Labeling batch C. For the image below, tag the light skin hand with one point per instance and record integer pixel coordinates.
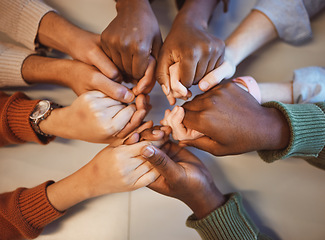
(92, 117)
(174, 119)
(131, 37)
(233, 122)
(78, 76)
(114, 169)
(183, 176)
(58, 33)
(197, 56)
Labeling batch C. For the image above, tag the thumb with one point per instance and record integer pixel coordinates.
(160, 160)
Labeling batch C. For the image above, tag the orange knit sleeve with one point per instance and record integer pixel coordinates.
(25, 212)
(15, 126)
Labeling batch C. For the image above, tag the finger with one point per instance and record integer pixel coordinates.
(205, 144)
(146, 83)
(162, 72)
(225, 70)
(201, 69)
(134, 138)
(120, 120)
(176, 86)
(103, 62)
(134, 150)
(126, 59)
(157, 43)
(134, 122)
(117, 59)
(187, 71)
(110, 112)
(159, 160)
(112, 89)
(147, 178)
(140, 62)
(164, 120)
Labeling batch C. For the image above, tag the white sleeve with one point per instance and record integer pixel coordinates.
(11, 60)
(20, 19)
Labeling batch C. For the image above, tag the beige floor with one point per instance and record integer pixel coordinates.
(285, 199)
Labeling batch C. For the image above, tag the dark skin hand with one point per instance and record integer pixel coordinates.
(132, 37)
(189, 43)
(183, 176)
(233, 122)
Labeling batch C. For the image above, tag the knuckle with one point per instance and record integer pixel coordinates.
(160, 160)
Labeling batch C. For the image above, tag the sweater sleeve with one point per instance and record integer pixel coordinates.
(15, 126)
(11, 61)
(229, 221)
(307, 135)
(25, 212)
(291, 17)
(20, 19)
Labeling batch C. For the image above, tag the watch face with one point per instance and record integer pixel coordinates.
(41, 108)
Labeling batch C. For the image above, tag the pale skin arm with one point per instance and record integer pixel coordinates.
(112, 170)
(94, 117)
(255, 31)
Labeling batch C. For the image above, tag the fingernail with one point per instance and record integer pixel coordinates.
(204, 85)
(128, 96)
(156, 132)
(149, 151)
(165, 89)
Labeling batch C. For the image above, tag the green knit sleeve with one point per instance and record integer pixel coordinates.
(229, 221)
(307, 133)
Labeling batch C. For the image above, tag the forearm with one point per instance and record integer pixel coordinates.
(37, 69)
(254, 32)
(70, 190)
(196, 12)
(58, 33)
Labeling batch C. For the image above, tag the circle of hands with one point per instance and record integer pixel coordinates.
(106, 111)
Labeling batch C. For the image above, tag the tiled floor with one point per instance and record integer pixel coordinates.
(285, 199)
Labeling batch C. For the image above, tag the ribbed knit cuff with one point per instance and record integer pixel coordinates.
(229, 221)
(36, 210)
(18, 110)
(11, 61)
(307, 124)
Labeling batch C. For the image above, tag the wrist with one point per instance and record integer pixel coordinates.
(56, 32)
(196, 12)
(276, 135)
(207, 203)
(54, 124)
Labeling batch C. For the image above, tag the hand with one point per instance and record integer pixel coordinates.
(114, 169)
(183, 176)
(58, 33)
(233, 122)
(174, 119)
(78, 76)
(94, 117)
(226, 70)
(131, 37)
(196, 50)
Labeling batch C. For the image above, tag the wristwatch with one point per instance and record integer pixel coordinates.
(41, 111)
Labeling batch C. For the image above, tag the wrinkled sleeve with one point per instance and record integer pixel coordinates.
(309, 85)
(307, 133)
(229, 221)
(15, 127)
(291, 17)
(20, 19)
(25, 212)
(11, 61)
